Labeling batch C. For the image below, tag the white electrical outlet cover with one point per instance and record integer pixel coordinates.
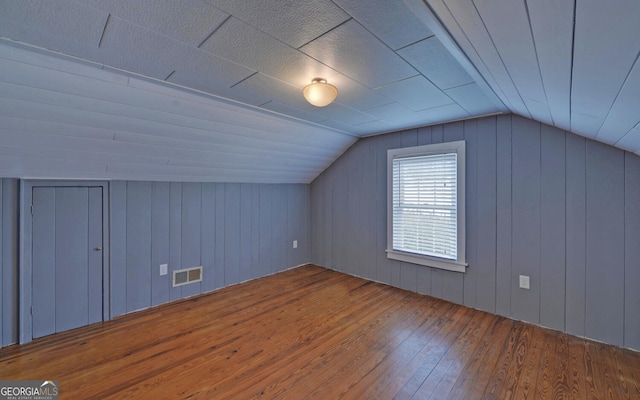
(163, 269)
(524, 282)
(295, 244)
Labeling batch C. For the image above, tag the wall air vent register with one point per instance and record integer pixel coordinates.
(186, 276)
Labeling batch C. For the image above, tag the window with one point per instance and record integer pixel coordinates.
(425, 205)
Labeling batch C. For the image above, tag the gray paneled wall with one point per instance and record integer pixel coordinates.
(8, 261)
(235, 231)
(540, 202)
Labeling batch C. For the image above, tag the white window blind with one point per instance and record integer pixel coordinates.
(424, 205)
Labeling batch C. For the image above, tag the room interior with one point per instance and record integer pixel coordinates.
(190, 117)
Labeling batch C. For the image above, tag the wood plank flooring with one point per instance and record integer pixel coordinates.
(312, 333)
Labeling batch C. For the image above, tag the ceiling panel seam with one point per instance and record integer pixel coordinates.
(104, 29)
(324, 33)
(636, 127)
(450, 43)
(213, 31)
(535, 50)
(501, 60)
(416, 42)
(573, 49)
(244, 79)
(624, 82)
(169, 76)
(503, 97)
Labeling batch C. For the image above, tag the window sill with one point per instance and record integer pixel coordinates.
(440, 263)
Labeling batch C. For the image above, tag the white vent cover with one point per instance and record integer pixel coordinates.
(186, 276)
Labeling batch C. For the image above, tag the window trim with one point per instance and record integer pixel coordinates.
(460, 264)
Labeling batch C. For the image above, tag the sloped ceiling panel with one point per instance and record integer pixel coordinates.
(571, 64)
(60, 118)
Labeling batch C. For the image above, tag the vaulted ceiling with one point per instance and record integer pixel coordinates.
(211, 90)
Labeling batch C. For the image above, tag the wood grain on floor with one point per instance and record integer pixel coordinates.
(312, 333)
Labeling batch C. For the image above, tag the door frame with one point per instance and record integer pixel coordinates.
(26, 267)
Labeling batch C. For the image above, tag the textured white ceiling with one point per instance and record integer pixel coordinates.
(136, 72)
(262, 53)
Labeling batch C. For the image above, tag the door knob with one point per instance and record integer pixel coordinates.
(98, 249)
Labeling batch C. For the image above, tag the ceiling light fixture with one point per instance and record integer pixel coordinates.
(320, 93)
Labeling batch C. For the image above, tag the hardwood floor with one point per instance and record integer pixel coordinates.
(311, 333)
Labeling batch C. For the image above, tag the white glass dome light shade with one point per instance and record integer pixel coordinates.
(320, 93)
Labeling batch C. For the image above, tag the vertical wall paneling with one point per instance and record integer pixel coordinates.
(470, 278)
(255, 231)
(118, 229)
(360, 202)
(220, 277)
(528, 187)
(138, 245)
(232, 245)
(191, 220)
(321, 206)
(353, 262)
(605, 243)
(235, 231)
(293, 202)
(453, 282)
(316, 220)
(319, 203)
(409, 276)
(388, 270)
(526, 218)
(368, 203)
(424, 135)
(298, 227)
(632, 251)
(207, 239)
(486, 219)
(245, 242)
(395, 266)
(437, 136)
(340, 216)
(265, 229)
(304, 229)
(160, 285)
(329, 187)
(279, 242)
(382, 272)
(175, 236)
(9, 254)
(575, 251)
(10, 258)
(503, 215)
(552, 227)
(2, 268)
